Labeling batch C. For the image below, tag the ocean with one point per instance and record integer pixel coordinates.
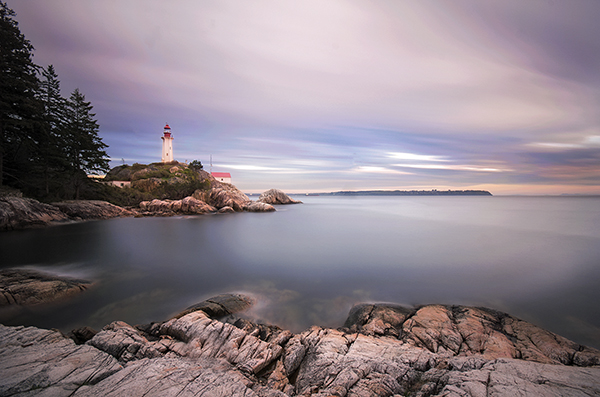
(537, 258)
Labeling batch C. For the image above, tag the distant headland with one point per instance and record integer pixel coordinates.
(433, 192)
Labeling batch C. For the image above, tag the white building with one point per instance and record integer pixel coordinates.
(119, 183)
(167, 147)
(224, 177)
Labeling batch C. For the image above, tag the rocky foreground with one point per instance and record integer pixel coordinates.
(382, 350)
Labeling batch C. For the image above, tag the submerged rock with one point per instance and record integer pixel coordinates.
(220, 305)
(28, 287)
(383, 350)
(276, 196)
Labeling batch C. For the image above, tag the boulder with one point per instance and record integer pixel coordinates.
(259, 207)
(185, 206)
(276, 196)
(226, 195)
(29, 287)
(220, 305)
(20, 213)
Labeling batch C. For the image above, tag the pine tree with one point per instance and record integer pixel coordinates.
(84, 148)
(51, 159)
(18, 104)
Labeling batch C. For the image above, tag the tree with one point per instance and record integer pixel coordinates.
(84, 149)
(196, 165)
(18, 104)
(51, 159)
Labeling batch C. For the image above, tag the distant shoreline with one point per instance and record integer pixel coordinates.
(400, 193)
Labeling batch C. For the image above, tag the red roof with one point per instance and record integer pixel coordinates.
(221, 174)
(167, 127)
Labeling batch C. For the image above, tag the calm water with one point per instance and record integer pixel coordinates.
(537, 258)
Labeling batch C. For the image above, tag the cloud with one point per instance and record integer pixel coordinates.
(378, 170)
(451, 167)
(345, 89)
(416, 157)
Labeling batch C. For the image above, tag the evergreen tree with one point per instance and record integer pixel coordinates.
(51, 159)
(84, 148)
(18, 104)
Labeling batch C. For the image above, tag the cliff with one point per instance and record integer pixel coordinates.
(382, 350)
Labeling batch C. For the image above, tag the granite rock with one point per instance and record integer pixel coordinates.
(186, 206)
(226, 195)
(28, 287)
(259, 207)
(38, 362)
(463, 331)
(91, 209)
(276, 196)
(21, 213)
(382, 350)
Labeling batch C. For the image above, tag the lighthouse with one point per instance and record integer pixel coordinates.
(167, 150)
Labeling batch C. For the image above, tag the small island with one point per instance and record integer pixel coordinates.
(433, 192)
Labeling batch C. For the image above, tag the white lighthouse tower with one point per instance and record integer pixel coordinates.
(167, 150)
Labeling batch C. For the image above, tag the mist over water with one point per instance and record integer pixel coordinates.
(537, 258)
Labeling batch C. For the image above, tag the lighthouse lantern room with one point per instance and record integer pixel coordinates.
(167, 146)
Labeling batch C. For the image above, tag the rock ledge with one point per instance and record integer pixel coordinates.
(382, 350)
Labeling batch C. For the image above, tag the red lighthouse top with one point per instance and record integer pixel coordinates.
(167, 131)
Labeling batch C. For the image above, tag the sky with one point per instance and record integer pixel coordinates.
(318, 96)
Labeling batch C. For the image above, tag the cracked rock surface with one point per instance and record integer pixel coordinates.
(382, 350)
(29, 287)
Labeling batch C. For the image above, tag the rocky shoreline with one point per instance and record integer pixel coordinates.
(210, 349)
(22, 213)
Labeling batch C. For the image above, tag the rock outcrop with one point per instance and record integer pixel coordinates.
(21, 213)
(91, 209)
(276, 196)
(28, 287)
(187, 206)
(226, 195)
(464, 331)
(383, 350)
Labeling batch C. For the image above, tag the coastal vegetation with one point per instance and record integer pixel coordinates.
(172, 180)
